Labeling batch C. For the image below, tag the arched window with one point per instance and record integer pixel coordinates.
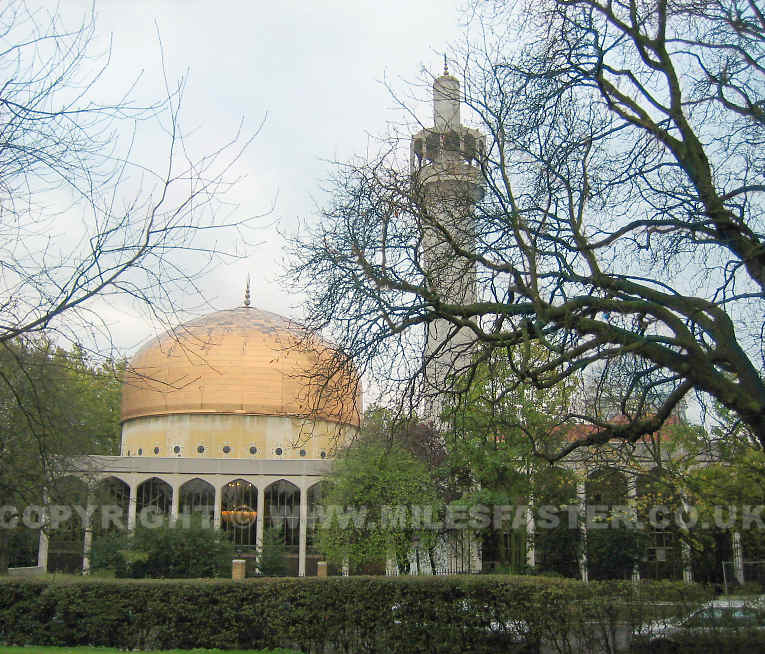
(197, 497)
(613, 548)
(607, 486)
(239, 512)
(112, 496)
(657, 502)
(557, 540)
(282, 512)
(153, 496)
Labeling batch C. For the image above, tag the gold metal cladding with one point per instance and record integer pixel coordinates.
(238, 361)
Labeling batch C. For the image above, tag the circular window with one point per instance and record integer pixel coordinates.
(226, 449)
(177, 449)
(278, 451)
(140, 451)
(201, 449)
(302, 452)
(156, 450)
(253, 449)
(323, 454)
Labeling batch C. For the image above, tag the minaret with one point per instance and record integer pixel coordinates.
(445, 162)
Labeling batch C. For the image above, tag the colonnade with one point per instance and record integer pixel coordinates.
(133, 482)
(304, 484)
(632, 499)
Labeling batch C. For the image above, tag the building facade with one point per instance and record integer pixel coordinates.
(227, 416)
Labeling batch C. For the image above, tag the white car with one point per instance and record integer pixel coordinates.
(718, 617)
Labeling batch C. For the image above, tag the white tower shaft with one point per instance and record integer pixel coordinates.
(445, 162)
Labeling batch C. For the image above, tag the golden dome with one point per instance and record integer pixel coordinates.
(238, 361)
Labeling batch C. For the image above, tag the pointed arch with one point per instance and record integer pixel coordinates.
(197, 496)
(154, 495)
(282, 512)
(240, 512)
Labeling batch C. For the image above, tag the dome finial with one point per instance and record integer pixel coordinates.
(446, 66)
(247, 292)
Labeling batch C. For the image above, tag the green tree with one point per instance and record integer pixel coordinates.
(375, 484)
(54, 405)
(720, 491)
(81, 218)
(499, 432)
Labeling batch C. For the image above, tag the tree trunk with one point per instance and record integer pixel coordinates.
(432, 559)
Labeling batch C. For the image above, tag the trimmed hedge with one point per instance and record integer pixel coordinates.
(439, 615)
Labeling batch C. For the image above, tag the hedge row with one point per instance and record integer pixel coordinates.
(440, 615)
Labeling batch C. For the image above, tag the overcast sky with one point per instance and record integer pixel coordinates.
(314, 70)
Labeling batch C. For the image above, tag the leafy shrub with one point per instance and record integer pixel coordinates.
(187, 551)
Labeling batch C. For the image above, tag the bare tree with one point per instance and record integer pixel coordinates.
(80, 217)
(621, 227)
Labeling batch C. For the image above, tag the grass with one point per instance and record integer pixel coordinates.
(32, 649)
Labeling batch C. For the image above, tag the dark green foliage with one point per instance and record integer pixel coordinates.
(54, 404)
(179, 552)
(22, 546)
(272, 560)
(612, 553)
(105, 550)
(433, 615)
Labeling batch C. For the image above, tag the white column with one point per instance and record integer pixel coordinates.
(217, 508)
(261, 518)
(632, 502)
(175, 503)
(303, 531)
(476, 562)
(685, 548)
(42, 551)
(738, 557)
(531, 528)
(686, 557)
(581, 493)
(132, 504)
(87, 541)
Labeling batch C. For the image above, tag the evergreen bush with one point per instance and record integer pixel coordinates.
(272, 558)
(436, 615)
(187, 550)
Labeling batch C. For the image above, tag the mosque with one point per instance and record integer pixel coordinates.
(214, 421)
(222, 415)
